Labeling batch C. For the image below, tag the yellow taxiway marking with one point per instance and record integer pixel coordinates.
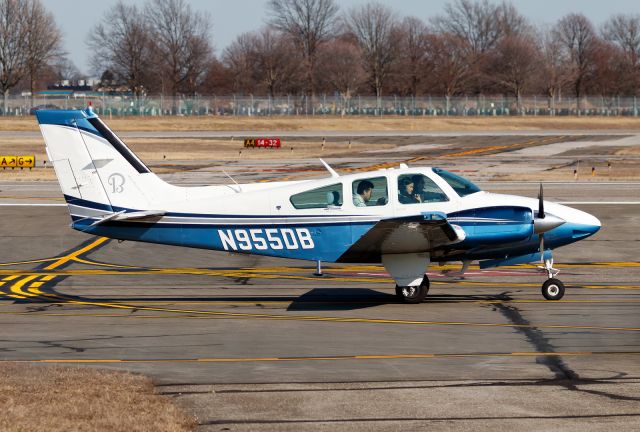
(12, 277)
(245, 274)
(29, 262)
(75, 254)
(250, 302)
(16, 288)
(100, 264)
(418, 356)
(192, 313)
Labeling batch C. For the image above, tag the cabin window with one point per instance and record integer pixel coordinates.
(370, 192)
(417, 189)
(324, 197)
(461, 185)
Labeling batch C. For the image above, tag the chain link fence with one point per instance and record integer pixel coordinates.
(109, 105)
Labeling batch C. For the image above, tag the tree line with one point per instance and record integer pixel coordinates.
(311, 47)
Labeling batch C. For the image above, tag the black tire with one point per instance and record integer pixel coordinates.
(553, 289)
(413, 295)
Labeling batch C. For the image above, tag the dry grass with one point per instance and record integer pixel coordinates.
(387, 123)
(156, 152)
(51, 399)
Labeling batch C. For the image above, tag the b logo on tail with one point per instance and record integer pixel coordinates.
(116, 181)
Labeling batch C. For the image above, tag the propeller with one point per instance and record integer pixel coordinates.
(541, 216)
(543, 222)
(541, 203)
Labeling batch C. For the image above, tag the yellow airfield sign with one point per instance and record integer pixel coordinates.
(17, 161)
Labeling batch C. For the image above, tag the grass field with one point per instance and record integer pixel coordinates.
(388, 123)
(52, 399)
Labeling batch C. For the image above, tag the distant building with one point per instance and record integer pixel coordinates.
(73, 85)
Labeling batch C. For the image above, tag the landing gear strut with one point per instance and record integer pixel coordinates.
(413, 294)
(552, 288)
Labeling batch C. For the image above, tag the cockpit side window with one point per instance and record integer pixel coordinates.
(418, 188)
(461, 185)
(370, 192)
(324, 197)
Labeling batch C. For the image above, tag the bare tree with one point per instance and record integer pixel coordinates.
(276, 63)
(342, 69)
(514, 63)
(481, 25)
(121, 43)
(477, 23)
(412, 53)
(181, 44)
(65, 69)
(579, 41)
(450, 69)
(610, 73)
(14, 34)
(238, 59)
(511, 21)
(217, 80)
(373, 27)
(624, 32)
(44, 41)
(309, 23)
(555, 72)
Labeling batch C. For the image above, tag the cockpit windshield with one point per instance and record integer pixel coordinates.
(462, 186)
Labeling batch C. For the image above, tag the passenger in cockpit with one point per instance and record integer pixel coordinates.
(405, 191)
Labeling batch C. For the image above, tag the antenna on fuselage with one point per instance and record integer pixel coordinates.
(233, 180)
(331, 170)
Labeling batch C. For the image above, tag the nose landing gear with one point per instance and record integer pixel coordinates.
(552, 288)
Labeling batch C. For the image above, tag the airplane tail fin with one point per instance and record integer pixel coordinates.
(97, 172)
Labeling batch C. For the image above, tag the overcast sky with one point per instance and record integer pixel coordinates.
(233, 17)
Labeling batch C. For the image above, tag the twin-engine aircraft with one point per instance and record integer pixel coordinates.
(404, 218)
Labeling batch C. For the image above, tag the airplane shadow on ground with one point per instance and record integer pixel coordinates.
(360, 298)
(317, 299)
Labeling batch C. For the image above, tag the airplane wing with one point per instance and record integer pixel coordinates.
(420, 233)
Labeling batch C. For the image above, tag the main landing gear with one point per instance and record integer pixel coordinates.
(408, 270)
(413, 294)
(552, 288)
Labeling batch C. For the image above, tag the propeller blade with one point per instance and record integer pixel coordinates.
(542, 248)
(541, 203)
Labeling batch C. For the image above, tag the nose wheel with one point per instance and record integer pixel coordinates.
(552, 288)
(413, 294)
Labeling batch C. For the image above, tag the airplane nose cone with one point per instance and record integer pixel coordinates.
(585, 224)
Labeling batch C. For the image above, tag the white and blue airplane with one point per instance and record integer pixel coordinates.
(404, 218)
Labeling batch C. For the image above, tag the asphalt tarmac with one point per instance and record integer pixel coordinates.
(253, 343)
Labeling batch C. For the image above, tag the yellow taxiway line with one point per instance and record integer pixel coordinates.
(418, 356)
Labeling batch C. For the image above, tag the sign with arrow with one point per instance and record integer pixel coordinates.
(18, 161)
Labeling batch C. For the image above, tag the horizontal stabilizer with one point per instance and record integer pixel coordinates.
(123, 216)
(515, 260)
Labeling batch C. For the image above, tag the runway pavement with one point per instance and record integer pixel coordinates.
(254, 343)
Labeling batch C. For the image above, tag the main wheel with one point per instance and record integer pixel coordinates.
(413, 294)
(553, 289)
